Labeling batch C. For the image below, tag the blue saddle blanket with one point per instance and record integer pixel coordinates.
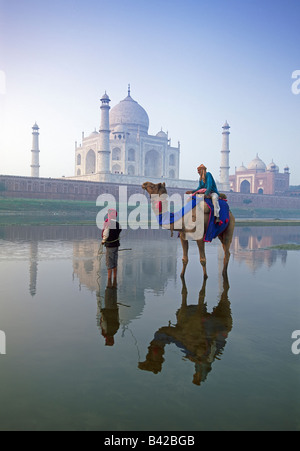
(214, 229)
(167, 218)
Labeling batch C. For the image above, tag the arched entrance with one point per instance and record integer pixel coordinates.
(90, 163)
(131, 170)
(116, 169)
(116, 154)
(153, 164)
(245, 187)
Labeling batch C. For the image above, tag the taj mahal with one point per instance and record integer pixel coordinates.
(123, 152)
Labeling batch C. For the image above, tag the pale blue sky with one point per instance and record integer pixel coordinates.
(191, 64)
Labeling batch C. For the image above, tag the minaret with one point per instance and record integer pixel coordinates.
(224, 168)
(35, 157)
(103, 165)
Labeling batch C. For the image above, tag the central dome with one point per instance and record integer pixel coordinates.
(128, 112)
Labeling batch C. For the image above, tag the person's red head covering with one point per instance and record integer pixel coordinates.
(112, 214)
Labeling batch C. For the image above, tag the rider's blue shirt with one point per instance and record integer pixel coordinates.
(209, 184)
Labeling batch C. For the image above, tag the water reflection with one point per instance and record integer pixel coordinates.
(200, 335)
(141, 267)
(108, 315)
(247, 240)
(36, 243)
(63, 351)
(33, 267)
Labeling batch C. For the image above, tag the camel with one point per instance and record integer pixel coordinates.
(158, 191)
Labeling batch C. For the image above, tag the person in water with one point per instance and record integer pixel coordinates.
(110, 239)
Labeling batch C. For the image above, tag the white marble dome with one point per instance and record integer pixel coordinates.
(129, 113)
(257, 164)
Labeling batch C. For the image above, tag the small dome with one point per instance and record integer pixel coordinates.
(241, 168)
(105, 97)
(93, 134)
(257, 164)
(272, 167)
(162, 134)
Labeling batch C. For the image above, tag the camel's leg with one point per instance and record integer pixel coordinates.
(226, 258)
(226, 246)
(226, 239)
(185, 258)
(201, 247)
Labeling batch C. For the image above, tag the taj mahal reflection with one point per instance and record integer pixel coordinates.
(85, 245)
(82, 244)
(135, 273)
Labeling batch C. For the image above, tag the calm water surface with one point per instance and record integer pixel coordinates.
(154, 354)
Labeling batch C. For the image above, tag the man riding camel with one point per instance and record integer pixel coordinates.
(208, 184)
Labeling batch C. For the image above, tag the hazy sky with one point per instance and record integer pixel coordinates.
(192, 64)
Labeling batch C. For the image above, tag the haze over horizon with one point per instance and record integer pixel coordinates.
(191, 65)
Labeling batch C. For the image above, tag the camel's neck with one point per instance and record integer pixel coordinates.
(159, 206)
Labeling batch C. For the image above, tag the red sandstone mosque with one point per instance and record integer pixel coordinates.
(257, 178)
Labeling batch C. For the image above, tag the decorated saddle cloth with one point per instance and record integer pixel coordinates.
(168, 218)
(214, 229)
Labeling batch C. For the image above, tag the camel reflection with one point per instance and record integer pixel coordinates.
(200, 335)
(108, 318)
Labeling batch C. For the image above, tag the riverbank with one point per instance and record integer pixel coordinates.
(56, 212)
(46, 212)
(266, 222)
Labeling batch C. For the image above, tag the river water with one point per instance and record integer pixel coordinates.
(153, 354)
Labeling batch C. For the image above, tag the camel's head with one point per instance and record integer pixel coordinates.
(154, 188)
